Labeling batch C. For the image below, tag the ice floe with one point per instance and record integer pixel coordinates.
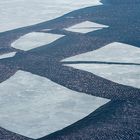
(7, 55)
(34, 106)
(34, 40)
(86, 27)
(15, 14)
(117, 62)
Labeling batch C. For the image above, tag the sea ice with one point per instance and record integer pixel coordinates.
(34, 106)
(16, 14)
(86, 27)
(126, 71)
(7, 55)
(34, 40)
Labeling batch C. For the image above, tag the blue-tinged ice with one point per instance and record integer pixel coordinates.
(117, 62)
(34, 40)
(34, 106)
(85, 27)
(20, 13)
(7, 55)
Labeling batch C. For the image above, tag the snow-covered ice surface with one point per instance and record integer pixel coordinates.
(86, 27)
(15, 13)
(114, 52)
(7, 55)
(34, 40)
(34, 106)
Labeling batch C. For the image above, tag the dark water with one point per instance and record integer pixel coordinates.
(117, 120)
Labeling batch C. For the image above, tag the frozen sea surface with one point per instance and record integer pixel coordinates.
(12, 54)
(35, 106)
(126, 67)
(15, 14)
(86, 27)
(34, 40)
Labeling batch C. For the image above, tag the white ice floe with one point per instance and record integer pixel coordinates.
(34, 40)
(34, 106)
(114, 52)
(7, 55)
(86, 27)
(19, 13)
